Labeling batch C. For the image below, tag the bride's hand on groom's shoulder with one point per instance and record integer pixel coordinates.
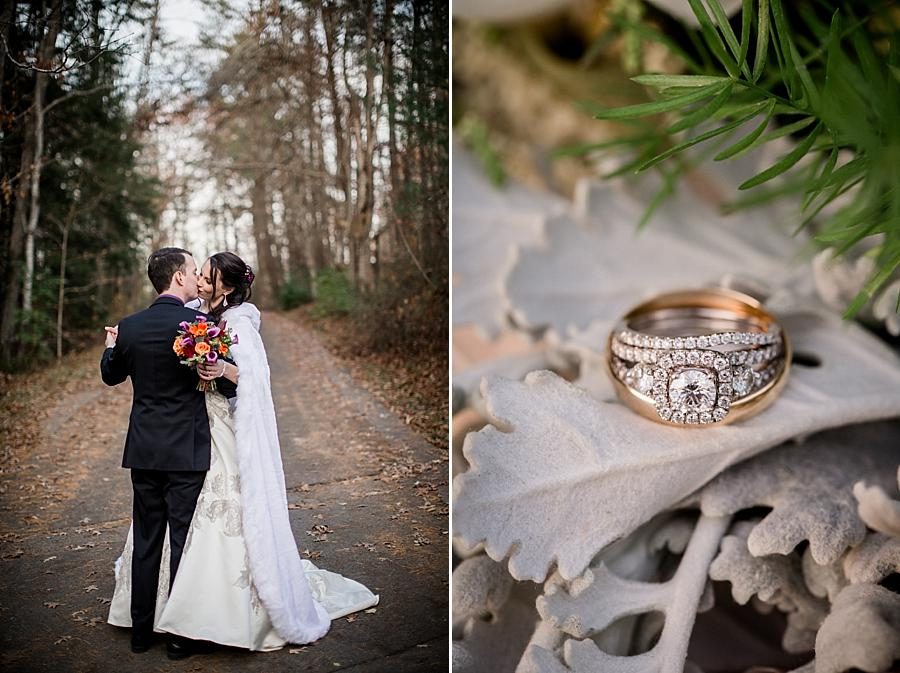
(112, 333)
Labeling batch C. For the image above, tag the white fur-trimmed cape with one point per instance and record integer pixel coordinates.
(274, 562)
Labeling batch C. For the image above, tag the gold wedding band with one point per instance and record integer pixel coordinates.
(698, 357)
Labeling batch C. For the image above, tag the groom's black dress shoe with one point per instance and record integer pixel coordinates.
(141, 642)
(179, 648)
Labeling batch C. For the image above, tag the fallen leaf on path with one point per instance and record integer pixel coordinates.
(52, 604)
(91, 588)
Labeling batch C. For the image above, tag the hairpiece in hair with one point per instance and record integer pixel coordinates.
(249, 275)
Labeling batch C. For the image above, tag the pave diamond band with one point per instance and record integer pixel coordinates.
(698, 357)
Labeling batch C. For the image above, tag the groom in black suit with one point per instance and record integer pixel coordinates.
(168, 443)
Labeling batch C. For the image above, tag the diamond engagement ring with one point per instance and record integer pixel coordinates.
(698, 357)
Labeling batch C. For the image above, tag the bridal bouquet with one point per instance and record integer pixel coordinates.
(203, 341)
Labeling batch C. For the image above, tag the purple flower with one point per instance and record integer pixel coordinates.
(212, 356)
(187, 340)
(185, 325)
(201, 318)
(213, 332)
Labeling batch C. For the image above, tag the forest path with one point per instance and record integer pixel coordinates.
(379, 490)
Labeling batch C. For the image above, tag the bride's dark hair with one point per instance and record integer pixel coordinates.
(235, 274)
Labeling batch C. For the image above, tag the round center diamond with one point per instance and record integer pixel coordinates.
(692, 390)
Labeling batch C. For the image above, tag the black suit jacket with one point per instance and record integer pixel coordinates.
(168, 428)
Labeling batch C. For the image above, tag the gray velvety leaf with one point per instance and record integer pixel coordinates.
(604, 598)
(775, 579)
(879, 511)
(862, 632)
(809, 488)
(874, 559)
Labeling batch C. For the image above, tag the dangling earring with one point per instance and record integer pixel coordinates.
(224, 300)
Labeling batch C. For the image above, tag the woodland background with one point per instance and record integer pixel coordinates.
(309, 137)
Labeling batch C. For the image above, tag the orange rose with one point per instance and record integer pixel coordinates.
(202, 348)
(177, 348)
(223, 349)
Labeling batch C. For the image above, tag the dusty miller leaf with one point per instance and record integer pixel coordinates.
(824, 581)
(602, 598)
(870, 562)
(493, 617)
(809, 488)
(488, 225)
(879, 511)
(555, 458)
(861, 632)
(775, 579)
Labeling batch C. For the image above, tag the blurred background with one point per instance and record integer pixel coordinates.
(311, 138)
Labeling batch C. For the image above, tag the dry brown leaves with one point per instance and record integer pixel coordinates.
(415, 388)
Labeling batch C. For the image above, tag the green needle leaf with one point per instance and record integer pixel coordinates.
(762, 39)
(726, 128)
(787, 49)
(728, 34)
(703, 113)
(712, 37)
(877, 280)
(786, 162)
(645, 109)
(744, 144)
(662, 81)
(667, 189)
(746, 21)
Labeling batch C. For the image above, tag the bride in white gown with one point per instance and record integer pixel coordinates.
(241, 581)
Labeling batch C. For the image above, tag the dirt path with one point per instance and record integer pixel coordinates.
(379, 490)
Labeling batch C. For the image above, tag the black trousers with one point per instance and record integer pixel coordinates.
(161, 499)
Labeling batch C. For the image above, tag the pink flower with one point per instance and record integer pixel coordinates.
(212, 356)
(213, 332)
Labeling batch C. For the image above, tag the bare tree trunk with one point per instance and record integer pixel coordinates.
(366, 155)
(40, 89)
(340, 140)
(386, 240)
(6, 15)
(266, 255)
(60, 298)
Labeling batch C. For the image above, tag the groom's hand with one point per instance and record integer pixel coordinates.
(112, 333)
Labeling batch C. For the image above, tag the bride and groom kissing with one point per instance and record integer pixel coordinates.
(210, 555)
